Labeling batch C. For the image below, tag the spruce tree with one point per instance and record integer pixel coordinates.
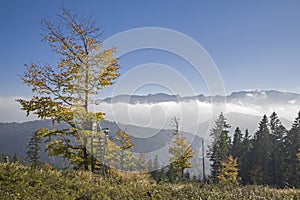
(244, 160)
(236, 148)
(2, 157)
(155, 163)
(156, 173)
(15, 158)
(292, 163)
(261, 154)
(142, 163)
(277, 131)
(150, 165)
(220, 148)
(33, 150)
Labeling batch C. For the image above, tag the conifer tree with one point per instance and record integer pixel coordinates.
(1, 157)
(15, 158)
(150, 165)
(261, 153)
(277, 131)
(155, 173)
(155, 163)
(236, 148)
(142, 163)
(244, 160)
(33, 150)
(220, 148)
(228, 174)
(292, 163)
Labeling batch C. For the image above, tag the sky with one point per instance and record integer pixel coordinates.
(254, 44)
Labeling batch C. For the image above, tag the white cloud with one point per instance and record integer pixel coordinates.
(158, 115)
(10, 110)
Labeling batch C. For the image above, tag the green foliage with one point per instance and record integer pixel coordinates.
(20, 182)
(261, 153)
(237, 145)
(244, 158)
(292, 163)
(277, 134)
(221, 145)
(271, 156)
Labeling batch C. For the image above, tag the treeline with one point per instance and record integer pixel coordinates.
(10, 158)
(270, 157)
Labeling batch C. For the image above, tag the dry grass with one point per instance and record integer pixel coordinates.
(21, 182)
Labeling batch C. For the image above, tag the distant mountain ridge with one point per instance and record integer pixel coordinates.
(255, 96)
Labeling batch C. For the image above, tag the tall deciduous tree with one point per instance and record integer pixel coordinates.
(63, 92)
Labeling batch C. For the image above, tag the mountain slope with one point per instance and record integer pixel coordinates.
(15, 136)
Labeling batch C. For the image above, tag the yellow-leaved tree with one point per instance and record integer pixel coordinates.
(180, 152)
(63, 92)
(228, 173)
(126, 157)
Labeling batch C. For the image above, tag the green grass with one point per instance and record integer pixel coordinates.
(21, 182)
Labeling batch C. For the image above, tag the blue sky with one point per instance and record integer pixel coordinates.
(255, 44)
